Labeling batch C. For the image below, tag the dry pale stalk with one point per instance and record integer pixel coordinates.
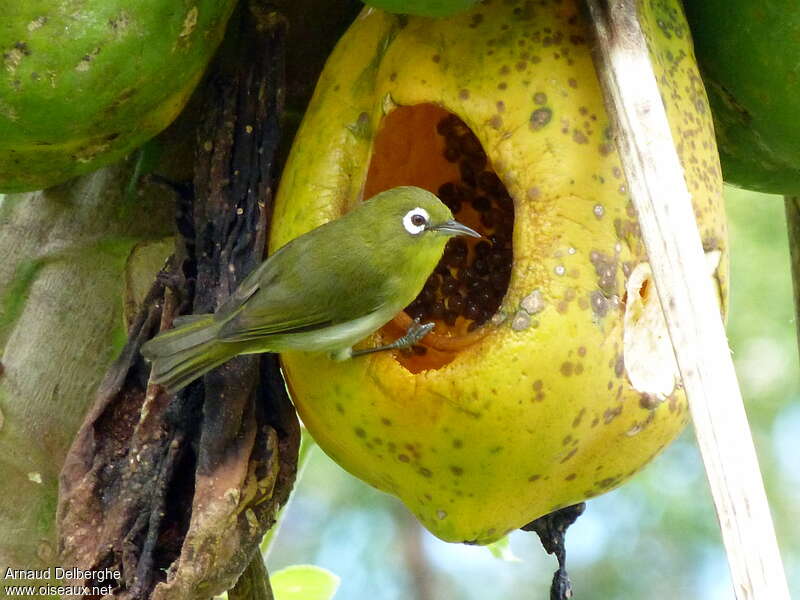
(659, 193)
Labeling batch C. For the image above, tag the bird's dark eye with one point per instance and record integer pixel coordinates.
(415, 220)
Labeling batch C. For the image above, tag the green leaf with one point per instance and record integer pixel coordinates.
(304, 582)
(502, 549)
(423, 8)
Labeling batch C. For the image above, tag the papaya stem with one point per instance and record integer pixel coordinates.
(552, 530)
(793, 226)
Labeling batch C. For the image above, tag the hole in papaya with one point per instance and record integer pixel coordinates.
(427, 146)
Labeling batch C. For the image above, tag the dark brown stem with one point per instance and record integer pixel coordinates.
(254, 582)
(552, 529)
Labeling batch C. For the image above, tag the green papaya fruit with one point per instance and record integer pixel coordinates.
(748, 58)
(84, 83)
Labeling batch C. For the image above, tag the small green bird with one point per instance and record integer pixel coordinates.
(322, 292)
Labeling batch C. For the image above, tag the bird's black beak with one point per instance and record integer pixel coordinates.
(455, 228)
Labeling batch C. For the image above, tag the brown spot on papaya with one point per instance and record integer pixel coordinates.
(608, 482)
(599, 303)
(540, 118)
(566, 368)
(569, 455)
(649, 401)
(619, 365)
(579, 137)
(361, 128)
(611, 413)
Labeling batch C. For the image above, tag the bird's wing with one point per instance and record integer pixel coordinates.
(284, 297)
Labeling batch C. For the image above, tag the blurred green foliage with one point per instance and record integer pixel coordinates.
(304, 582)
(655, 538)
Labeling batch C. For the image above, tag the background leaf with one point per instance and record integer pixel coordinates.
(502, 549)
(304, 582)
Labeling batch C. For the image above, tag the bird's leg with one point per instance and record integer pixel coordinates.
(415, 332)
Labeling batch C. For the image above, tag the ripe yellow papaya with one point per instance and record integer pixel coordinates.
(85, 83)
(549, 377)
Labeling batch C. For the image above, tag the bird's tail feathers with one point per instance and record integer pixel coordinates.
(181, 355)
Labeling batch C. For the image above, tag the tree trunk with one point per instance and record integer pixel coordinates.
(74, 257)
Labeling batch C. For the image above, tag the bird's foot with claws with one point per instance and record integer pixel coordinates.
(414, 334)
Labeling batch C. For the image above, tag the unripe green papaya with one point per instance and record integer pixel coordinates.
(748, 53)
(86, 82)
(549, 377)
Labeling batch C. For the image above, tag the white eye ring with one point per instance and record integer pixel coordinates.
(411, 221)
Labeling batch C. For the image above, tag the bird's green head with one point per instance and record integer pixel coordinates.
(415, 217)
(407, 229)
